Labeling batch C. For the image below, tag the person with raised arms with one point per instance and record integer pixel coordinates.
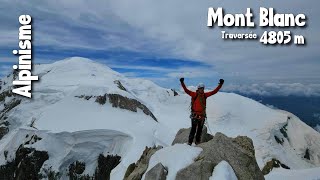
(198, 108)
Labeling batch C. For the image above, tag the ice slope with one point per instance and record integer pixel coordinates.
(235, 115)
(58, 113)
(305, 174)
(65, 148)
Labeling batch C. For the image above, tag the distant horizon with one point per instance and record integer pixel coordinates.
(263, 89)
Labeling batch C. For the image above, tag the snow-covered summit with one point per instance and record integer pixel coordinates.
(80, 103)
(75, 71)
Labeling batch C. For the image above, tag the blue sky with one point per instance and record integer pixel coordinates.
(165, 40)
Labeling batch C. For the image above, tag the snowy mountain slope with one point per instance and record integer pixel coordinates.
(56, 108)
(74, 128)
(65, 148)
(235, 115)
(280, 174)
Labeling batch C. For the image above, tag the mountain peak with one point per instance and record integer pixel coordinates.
(76, 71)
(81, 62)
(78, 59)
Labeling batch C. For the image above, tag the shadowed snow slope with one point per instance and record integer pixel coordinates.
(74, 128)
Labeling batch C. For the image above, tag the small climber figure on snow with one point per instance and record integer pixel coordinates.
(198, 108)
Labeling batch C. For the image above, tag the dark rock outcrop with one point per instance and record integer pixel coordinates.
(15, 73)
(26, 165)
(84, 97)
(29, 161)
(174, 92)
(136, 171)
(3, 131)
(158, 172)
(76, 169)
(238, 152)
(119, 101)
(33, 139)
(105, 166)
(284, 130)
(5, 153)
(120, 86)
(273, 163)
(5, 94)
(122, 102)
(101, 99)
(50, 174)
(130, 104)
(280, 141)
(280, 137)
(307, 154)
(183, 135)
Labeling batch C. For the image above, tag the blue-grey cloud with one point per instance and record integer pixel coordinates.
(275, 89)
(317, 128)
(5, 70)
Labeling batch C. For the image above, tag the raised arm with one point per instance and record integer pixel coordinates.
(208, 94)
(185, 88)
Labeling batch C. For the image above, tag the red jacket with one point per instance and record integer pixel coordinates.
(198, 107)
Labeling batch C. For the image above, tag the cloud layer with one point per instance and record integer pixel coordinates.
(275, 89)
(120, 33)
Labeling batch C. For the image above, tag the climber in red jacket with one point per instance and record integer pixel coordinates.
(198, 108)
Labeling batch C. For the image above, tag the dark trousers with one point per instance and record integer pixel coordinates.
(196, 128)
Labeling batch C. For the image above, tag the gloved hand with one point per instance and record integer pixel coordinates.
(181, 80)
(221, 81)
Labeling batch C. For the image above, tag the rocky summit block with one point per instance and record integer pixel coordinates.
(158, 172)
(238, 152)
(201, 169)
(183, 135)
(136, 170)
